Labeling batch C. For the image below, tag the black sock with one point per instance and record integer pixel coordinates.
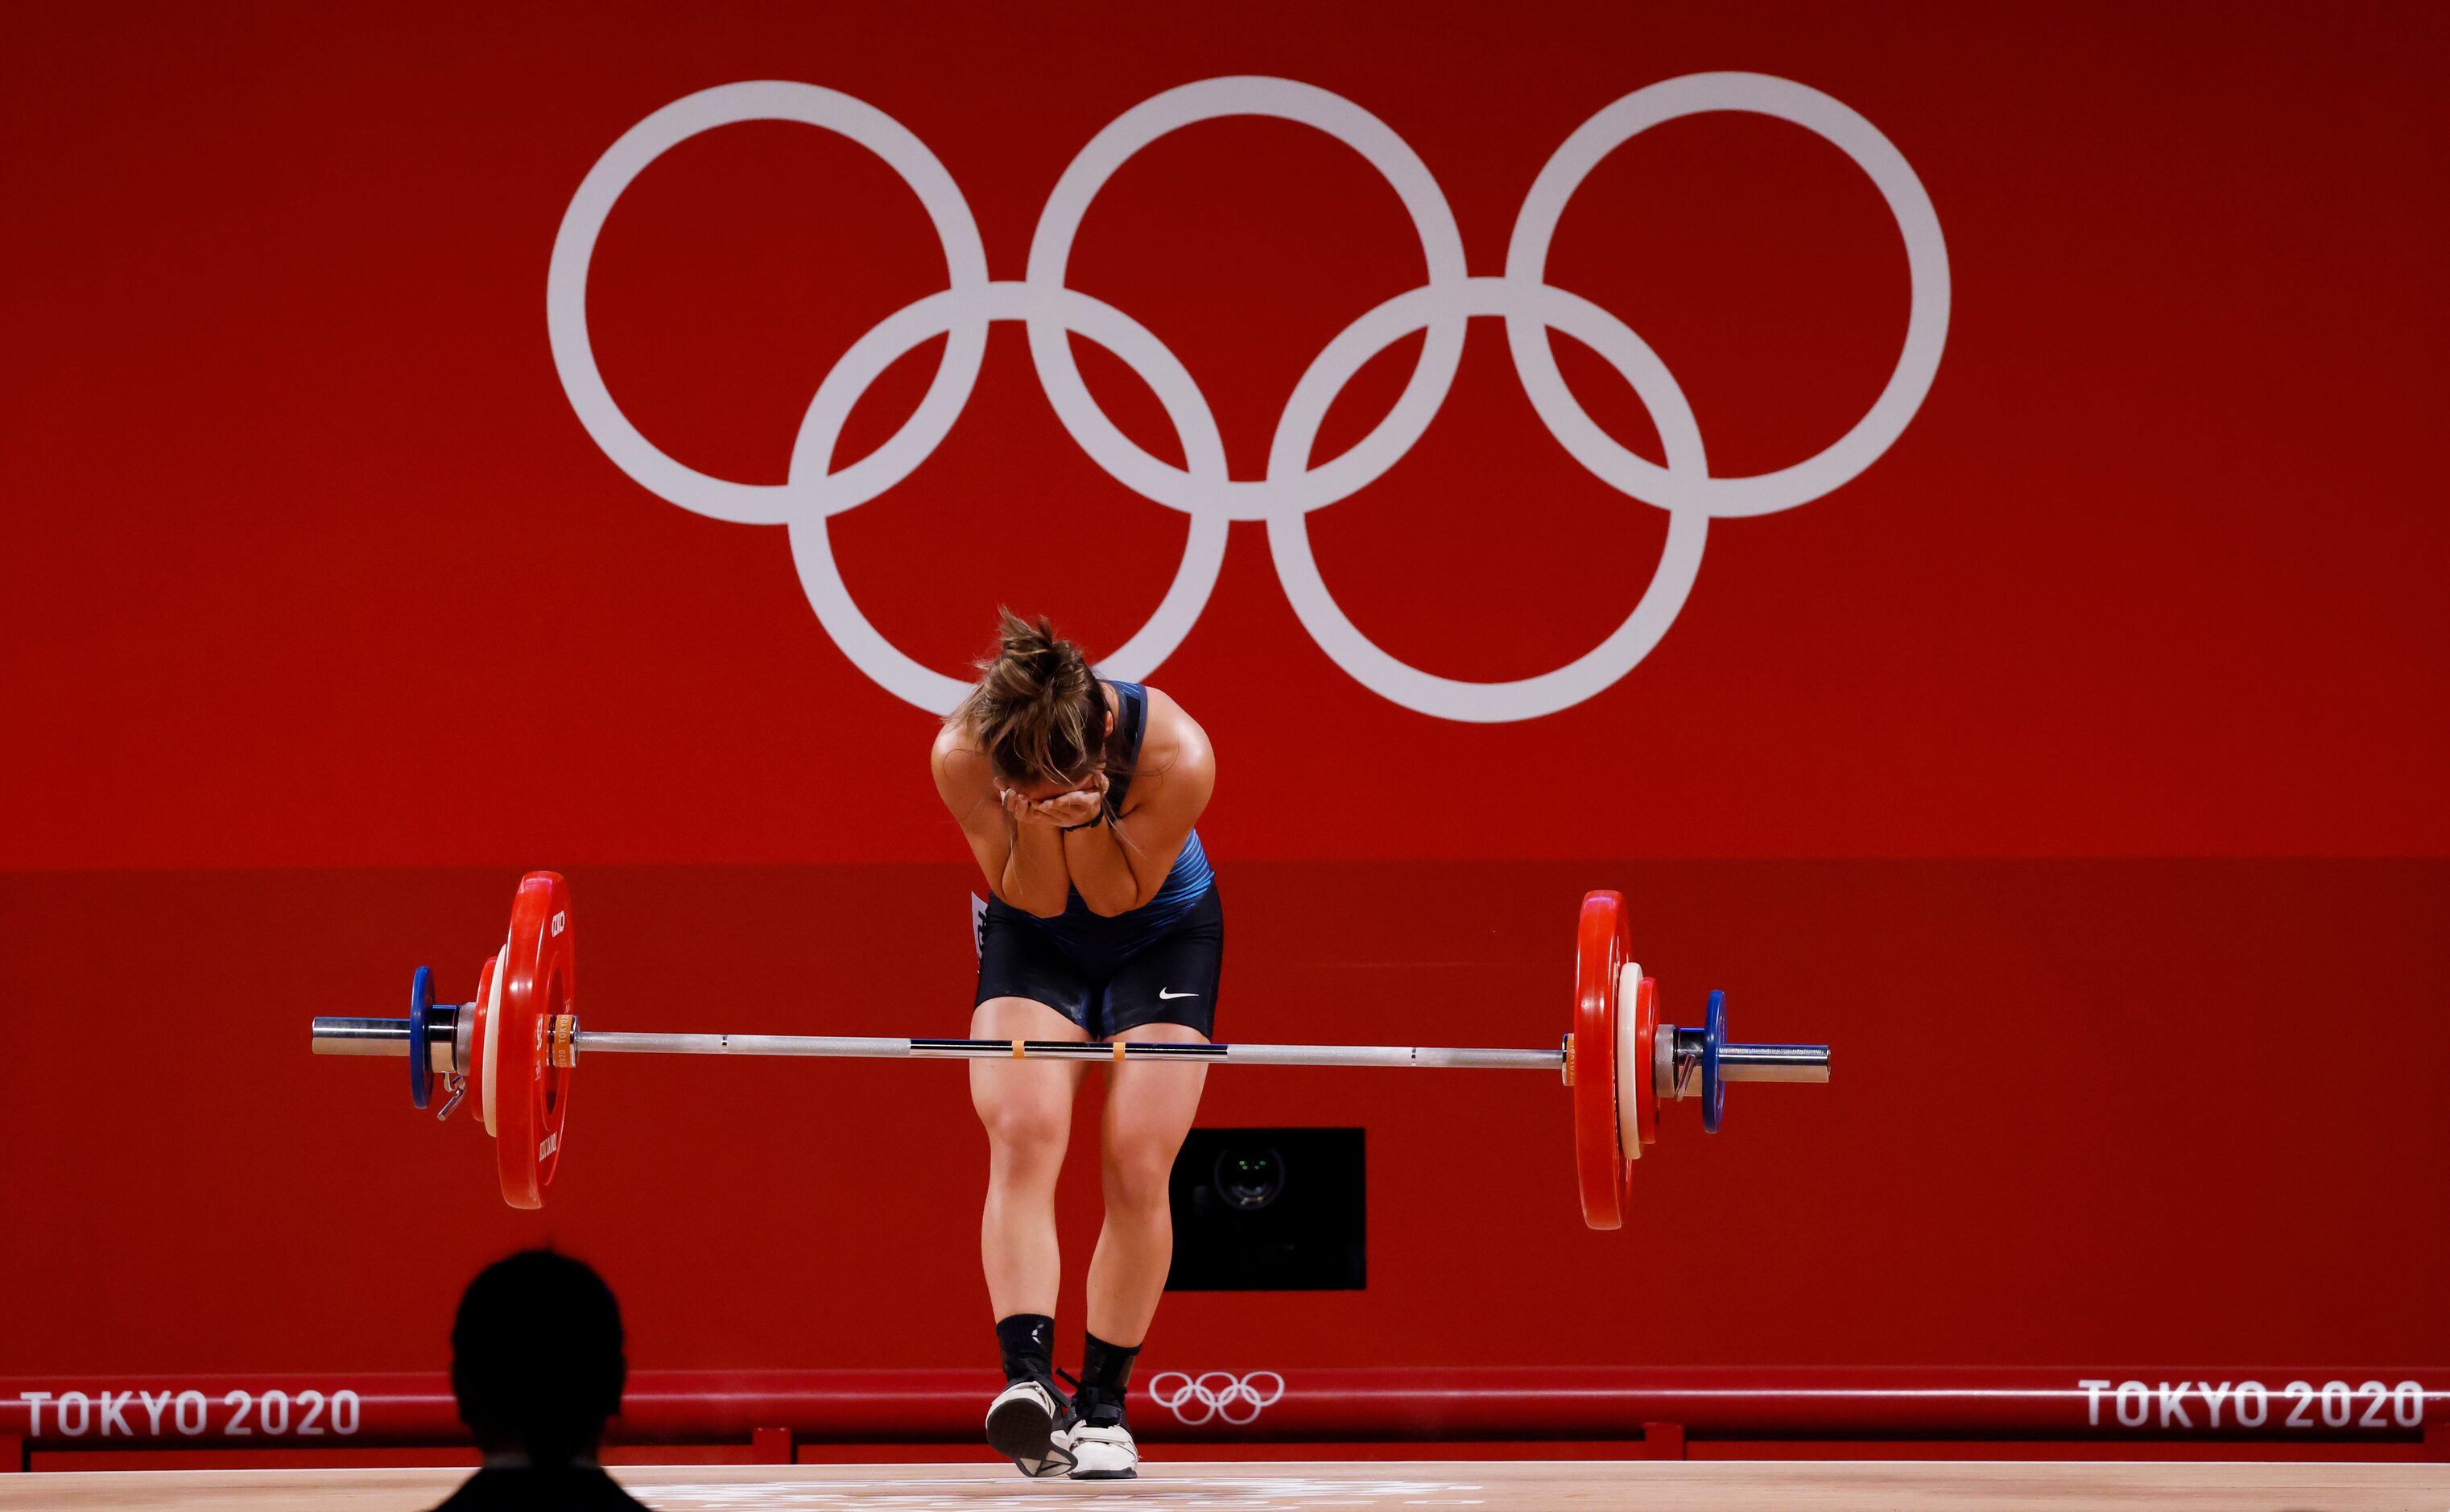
(1027, 1343)
(1106, 1366)
(1105, 1369)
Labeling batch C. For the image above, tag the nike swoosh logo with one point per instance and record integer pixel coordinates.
(1164, 996)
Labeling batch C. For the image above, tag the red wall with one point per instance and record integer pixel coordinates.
(311, 553)
(322, 616)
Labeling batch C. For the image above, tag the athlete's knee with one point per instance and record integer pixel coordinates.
(1136, 1174)
(1026, 1127)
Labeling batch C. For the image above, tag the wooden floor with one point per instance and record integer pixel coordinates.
(1598, 1486)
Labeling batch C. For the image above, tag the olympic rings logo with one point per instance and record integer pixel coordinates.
(815, 490)
(1219, 1395)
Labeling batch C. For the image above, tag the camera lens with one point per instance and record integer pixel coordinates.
(1249, 1176)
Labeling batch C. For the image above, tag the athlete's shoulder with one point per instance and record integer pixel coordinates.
(957, 760)
(954, 739)
(1175, 775)
(1171, 724)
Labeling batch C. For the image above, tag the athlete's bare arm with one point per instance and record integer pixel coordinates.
(1019, 845)
(1119, 866)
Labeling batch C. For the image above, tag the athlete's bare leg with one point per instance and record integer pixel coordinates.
(1149, 1109)
(1026, 1108)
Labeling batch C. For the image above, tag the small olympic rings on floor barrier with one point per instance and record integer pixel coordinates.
(1216, 1394)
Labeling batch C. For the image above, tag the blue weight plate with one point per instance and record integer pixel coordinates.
(1713, 1088)
(420, 1059)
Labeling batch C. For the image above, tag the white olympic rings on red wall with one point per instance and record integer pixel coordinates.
(1219, 1394)
(1441, 308)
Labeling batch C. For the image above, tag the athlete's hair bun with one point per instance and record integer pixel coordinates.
(1035, 711)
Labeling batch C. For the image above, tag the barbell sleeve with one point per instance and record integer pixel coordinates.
(1773, 1063)
(362, 1036)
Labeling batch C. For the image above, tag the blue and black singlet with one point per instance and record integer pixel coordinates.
(1158, 962)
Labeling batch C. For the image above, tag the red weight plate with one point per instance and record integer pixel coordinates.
(1630, 1070)
(480, 1027)
(1601, 945)
(531, 1094)
(1645, 1044)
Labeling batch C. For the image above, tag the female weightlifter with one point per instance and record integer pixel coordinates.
(1078, 796)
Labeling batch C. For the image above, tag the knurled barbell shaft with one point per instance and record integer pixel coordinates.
(591, 1041)
(389, 1037)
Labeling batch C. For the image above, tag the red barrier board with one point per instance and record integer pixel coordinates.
(1326, 1404)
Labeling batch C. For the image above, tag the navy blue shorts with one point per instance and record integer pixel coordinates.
(1169, 980)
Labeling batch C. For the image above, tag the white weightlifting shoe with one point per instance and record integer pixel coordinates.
(1105, 1453)
(1100, 1443)
(1026, 1423)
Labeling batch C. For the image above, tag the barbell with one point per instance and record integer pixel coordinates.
(512, 1048)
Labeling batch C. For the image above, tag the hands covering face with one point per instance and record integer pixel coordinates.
(1063, 810)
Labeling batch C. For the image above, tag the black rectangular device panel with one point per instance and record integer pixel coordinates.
(1270, 1209)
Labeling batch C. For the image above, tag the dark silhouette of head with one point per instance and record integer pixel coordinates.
(536, 1357)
